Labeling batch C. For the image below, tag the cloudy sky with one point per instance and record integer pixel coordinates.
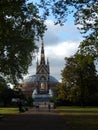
(59, 42)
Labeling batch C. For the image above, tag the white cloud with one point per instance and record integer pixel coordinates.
(56, 34)
(64, 49)
(56, 55)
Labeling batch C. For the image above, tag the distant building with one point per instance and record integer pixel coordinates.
(42, 83)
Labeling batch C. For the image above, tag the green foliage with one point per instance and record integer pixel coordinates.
(9, 111)
(6, 94)
(20, 25)
(85, 13)
(61, 92)
(79, 79)
(87, 16)
(29, 101)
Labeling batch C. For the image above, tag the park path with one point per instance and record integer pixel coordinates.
(34, 120)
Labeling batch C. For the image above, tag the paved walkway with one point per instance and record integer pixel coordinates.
(34, 120)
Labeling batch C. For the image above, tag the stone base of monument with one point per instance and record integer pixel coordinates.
(41, 97)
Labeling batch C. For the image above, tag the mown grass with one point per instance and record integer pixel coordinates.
(78, 118)
(9, 111)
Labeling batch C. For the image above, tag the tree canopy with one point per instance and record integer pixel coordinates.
(20, 26)
(85, 13)
(79, 79)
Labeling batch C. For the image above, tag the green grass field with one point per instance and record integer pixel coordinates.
(9, 111)
(78, 118)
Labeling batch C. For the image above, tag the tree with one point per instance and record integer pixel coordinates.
(70, 77)
(20, 26)
(80, 78)
(6, 93)
(2, 86)
(61, 92)
(87, 17)
(85, 13)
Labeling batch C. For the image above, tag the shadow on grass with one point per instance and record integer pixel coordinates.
(82, 122)
(80, 118)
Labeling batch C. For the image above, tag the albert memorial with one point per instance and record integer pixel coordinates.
(41, 86)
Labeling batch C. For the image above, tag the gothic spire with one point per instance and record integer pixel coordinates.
(42, 53)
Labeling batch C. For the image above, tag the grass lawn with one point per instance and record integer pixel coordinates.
(9, 111)
(78, 118)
